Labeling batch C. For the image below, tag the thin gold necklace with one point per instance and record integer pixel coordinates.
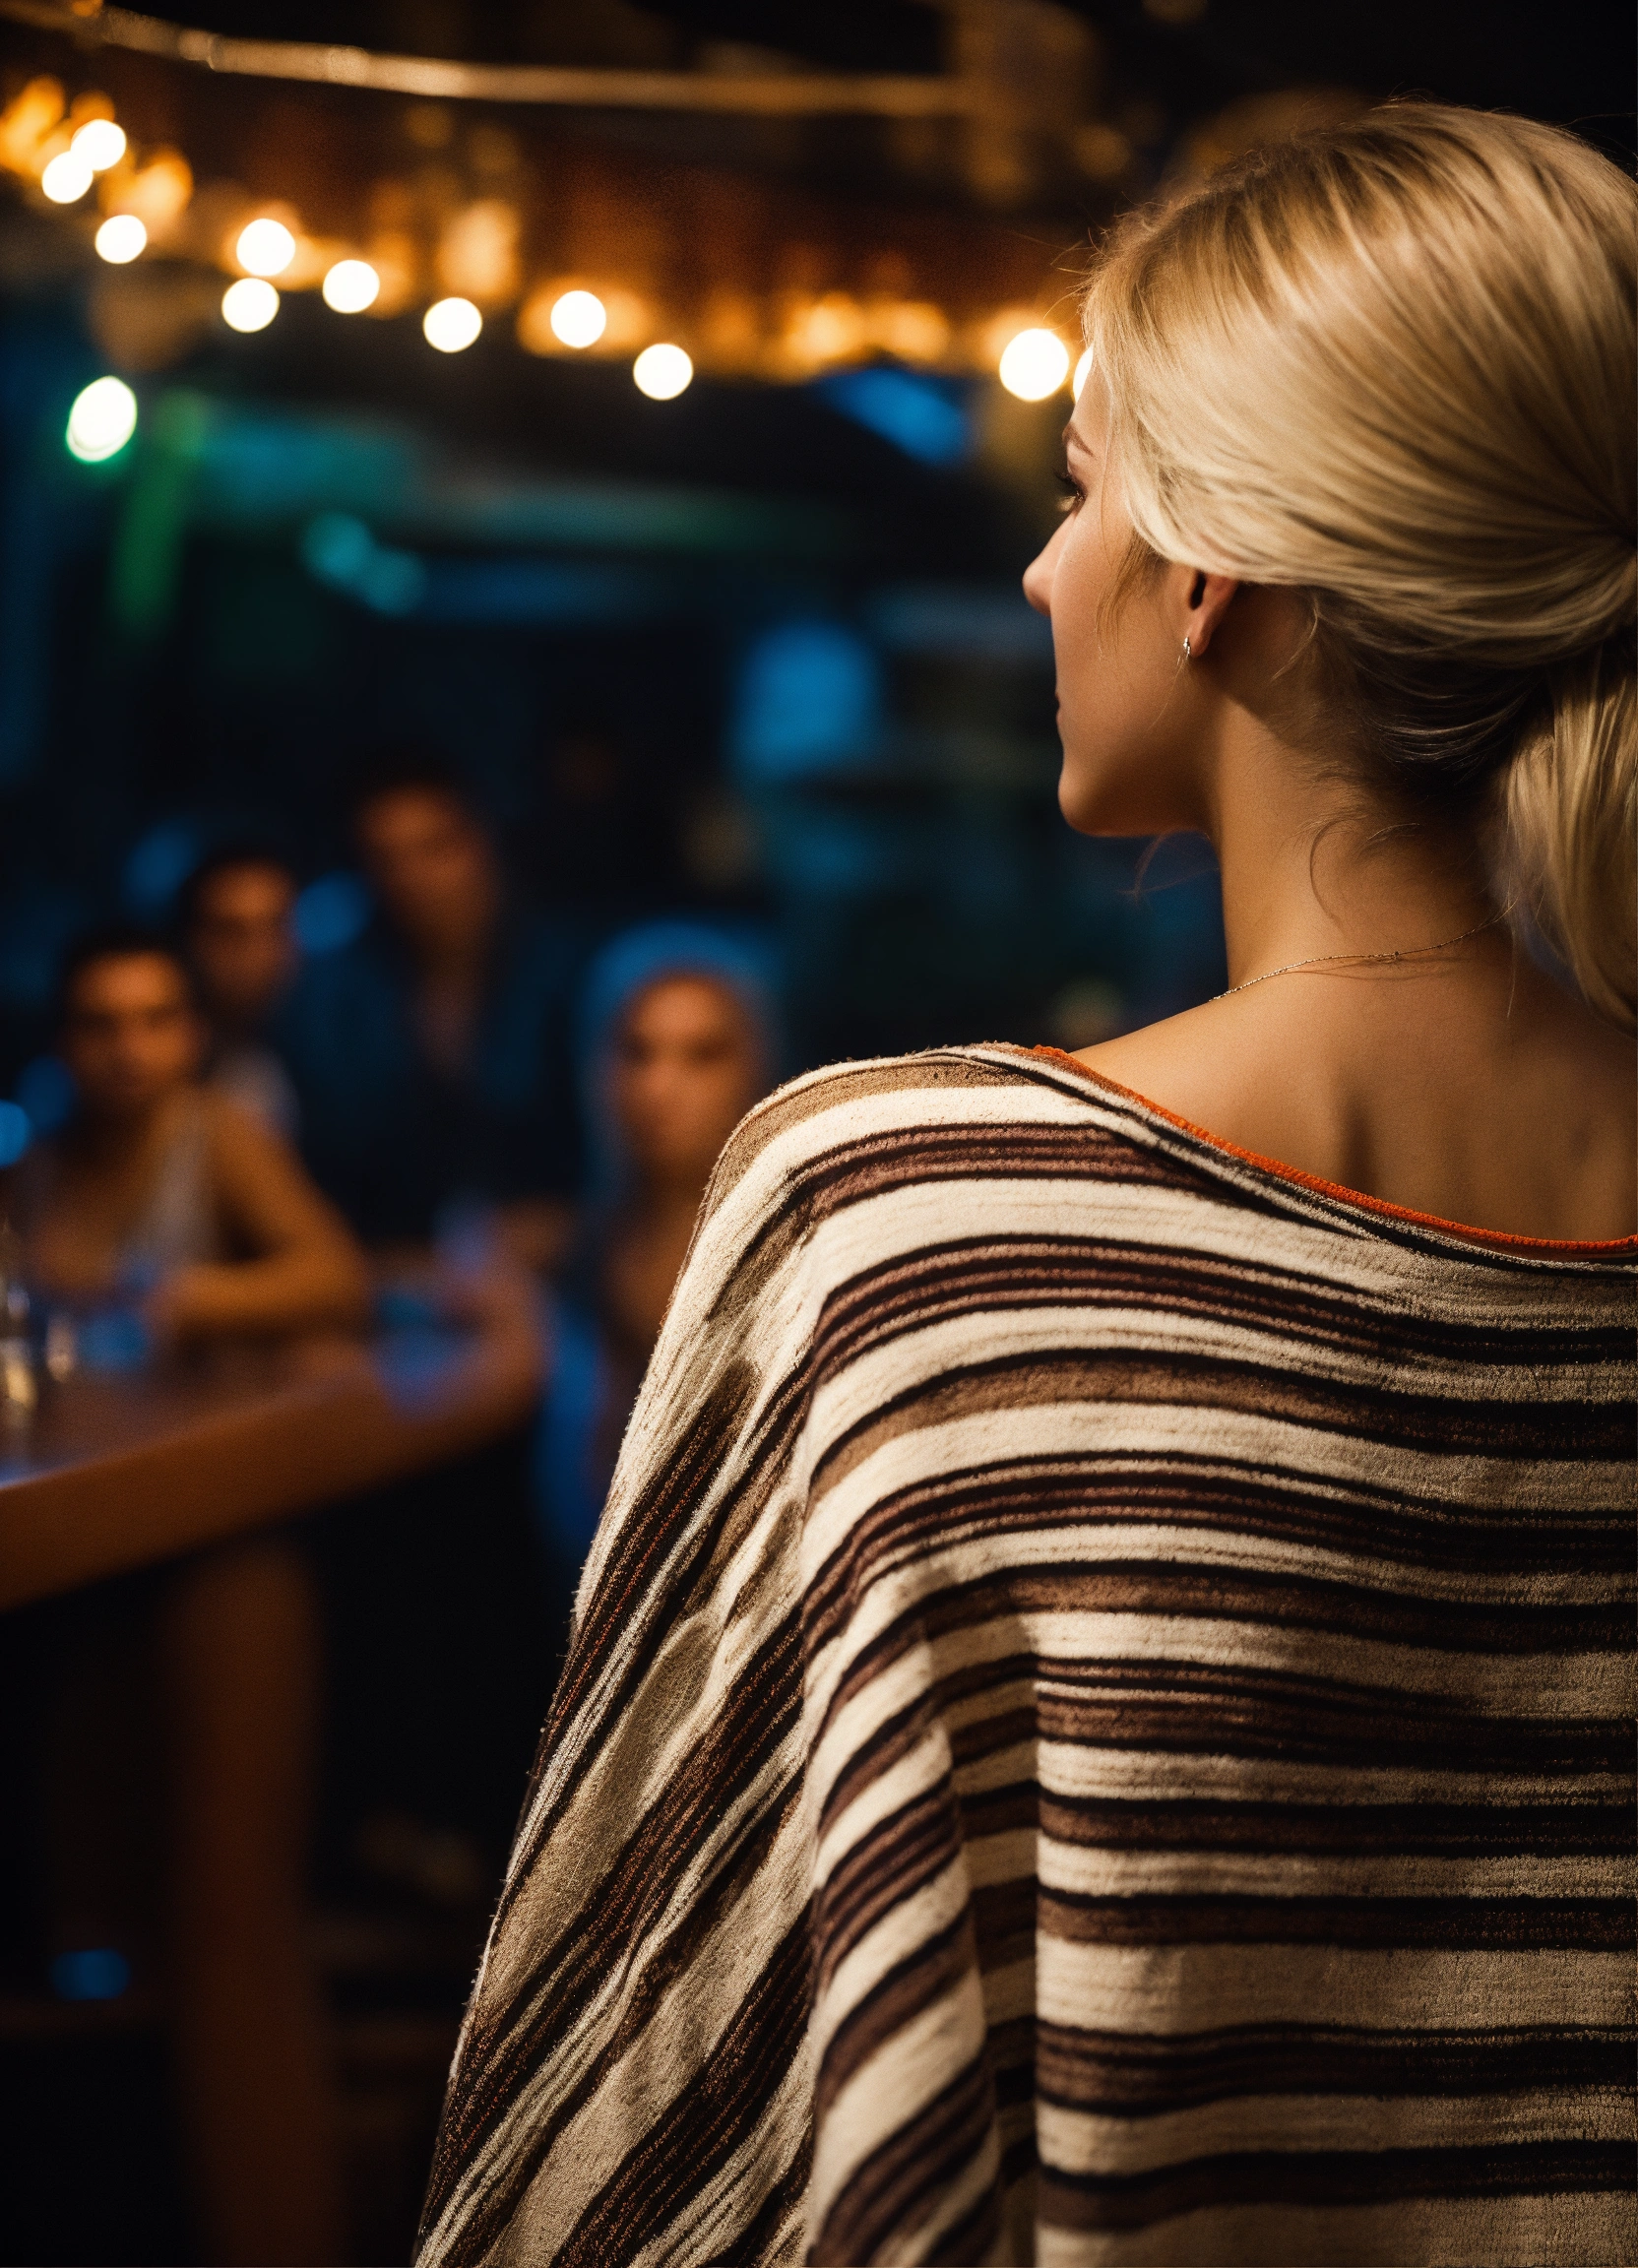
(1402, 953)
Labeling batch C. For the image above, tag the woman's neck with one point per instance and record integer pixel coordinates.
(1314, 865)
(1459, 1082)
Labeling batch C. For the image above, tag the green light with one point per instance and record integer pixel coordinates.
(103, 419)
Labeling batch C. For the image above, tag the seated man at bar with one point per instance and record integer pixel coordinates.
(235, 922)
(161, 1194)
(161, 1197)
(431, 1057)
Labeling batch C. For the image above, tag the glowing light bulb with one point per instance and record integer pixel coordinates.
(661, 372)
(265, 248)
(121, 238)
(351, 286)
(1034, 364)
(579, 318)
(98, 143)
(67, 178)
(451, 325)
(250, 304)
(103, 419)
(1082, 369)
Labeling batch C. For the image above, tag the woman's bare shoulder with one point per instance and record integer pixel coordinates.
(1505, 1105)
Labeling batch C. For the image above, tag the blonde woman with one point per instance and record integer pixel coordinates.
(1098, 1728)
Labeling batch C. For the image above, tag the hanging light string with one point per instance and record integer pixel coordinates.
(762, 92)
(794, 335)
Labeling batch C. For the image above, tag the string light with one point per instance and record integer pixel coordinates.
(578, 319)
(103, 419)
(98, 143)
(351, 286)
(122, 237)
(250, 304)
(661, 372)
(451, 325)
(1031, 363)
(265, 248)
(1034, 364)
(67, 178)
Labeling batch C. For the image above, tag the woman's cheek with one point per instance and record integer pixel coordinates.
(1073, 617)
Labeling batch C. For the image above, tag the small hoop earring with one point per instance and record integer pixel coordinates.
(1188, 650)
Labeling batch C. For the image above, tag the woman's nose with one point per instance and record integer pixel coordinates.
(1037, 580)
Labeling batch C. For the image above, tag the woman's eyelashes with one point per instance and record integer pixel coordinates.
(1073, 493)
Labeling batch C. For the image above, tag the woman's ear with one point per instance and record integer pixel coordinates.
(1200, 600)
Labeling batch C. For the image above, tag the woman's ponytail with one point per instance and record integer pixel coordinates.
(1570, 814)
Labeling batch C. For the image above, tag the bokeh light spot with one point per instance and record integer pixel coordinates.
(351, 286)
(578, 319)
(121, 238)
(451, 325)
(103, 419)
(809, 700)
(90, 1972)
(265, 248)
(67, 178)
(1034, 364)
(15, 1132)
(330, 912)
(250, 304)
(661, 372)
(98, 143)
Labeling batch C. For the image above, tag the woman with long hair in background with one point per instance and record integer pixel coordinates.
(1098, 1726)
(677, 1036)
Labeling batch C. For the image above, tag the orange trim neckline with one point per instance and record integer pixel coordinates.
(1504, 1237)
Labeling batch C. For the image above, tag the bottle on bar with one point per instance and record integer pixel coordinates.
(18, 1386)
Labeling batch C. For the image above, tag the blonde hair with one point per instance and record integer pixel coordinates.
(1392, 363)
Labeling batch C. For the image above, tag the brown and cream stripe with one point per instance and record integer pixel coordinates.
(1098, 1728)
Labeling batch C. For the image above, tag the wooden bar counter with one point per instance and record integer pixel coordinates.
(115, 1472)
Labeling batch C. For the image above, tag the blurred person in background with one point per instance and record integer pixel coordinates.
(236, 922)
(166, 1203)
(432, 1062)
(431, 1055)
(678, 1039)
(160, 1194)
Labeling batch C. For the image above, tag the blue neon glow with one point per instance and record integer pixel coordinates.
(339, 550)
(336, 547)
(926, 418)
(330, 912)
(45, 1094)
(15, 1132)
(158, 865)
(810, 697)
(545, 590)
(114, 1342)
(93, 1973)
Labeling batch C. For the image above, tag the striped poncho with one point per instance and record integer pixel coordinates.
(1098, 1728)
